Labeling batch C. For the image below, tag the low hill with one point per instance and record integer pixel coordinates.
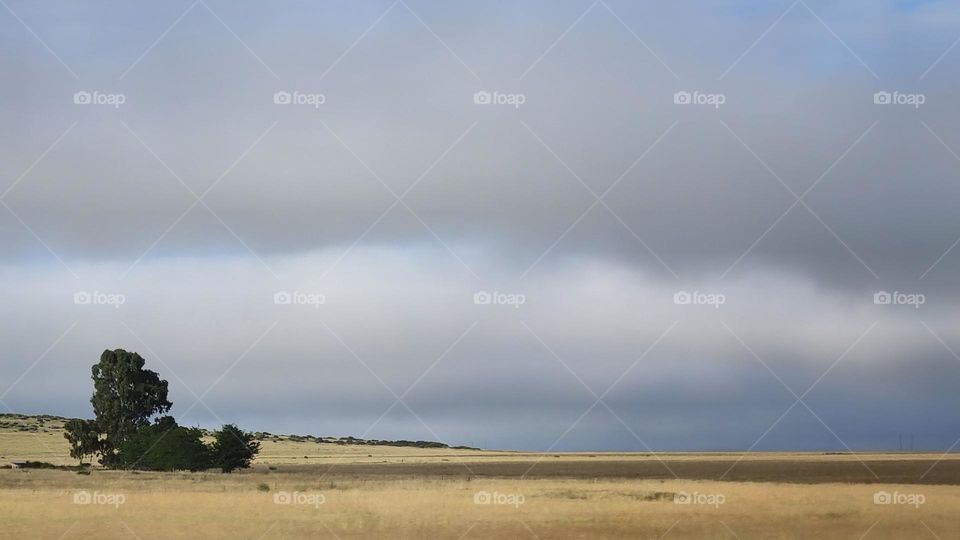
(40, 438)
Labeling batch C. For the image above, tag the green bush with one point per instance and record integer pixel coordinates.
(233, 448)
(165, 446)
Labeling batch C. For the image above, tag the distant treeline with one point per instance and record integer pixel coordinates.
(42, 419)
(266, 436)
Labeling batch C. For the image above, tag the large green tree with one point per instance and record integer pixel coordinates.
(125, 397)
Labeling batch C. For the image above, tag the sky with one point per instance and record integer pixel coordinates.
(542, 225)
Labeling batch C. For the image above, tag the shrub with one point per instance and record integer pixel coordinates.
(233, 448)
(165, 446)
(84, 438)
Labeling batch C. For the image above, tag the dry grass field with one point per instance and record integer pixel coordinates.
(303, 489)
(41, 504)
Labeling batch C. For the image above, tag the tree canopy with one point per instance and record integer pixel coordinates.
(125, 397)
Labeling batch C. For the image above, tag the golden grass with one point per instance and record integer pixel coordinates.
(156, 505)
(40, 503)
(51, 447)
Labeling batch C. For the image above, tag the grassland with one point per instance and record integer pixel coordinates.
(308, 489)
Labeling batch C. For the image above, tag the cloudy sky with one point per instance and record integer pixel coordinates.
(603, 225)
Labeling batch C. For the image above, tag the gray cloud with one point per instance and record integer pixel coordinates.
(499, 198)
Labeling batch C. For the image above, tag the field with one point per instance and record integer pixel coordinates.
(303, 489)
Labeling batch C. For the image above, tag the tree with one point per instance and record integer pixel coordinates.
(84, 438)
(125, 397)
(164, 446)
(233, 448)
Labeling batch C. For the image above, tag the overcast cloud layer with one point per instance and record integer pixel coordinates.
(665, 276)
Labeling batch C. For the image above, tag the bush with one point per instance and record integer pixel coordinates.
(233, 448)
(165, 446)
(84, 438)
(38, 465)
